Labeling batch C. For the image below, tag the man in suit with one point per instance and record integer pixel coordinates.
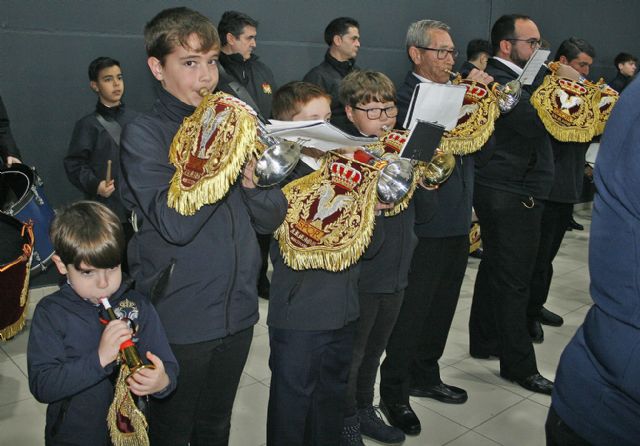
(437, 269)
(509, 195)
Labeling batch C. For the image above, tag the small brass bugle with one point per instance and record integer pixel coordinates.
(128, 350)
(508, 95)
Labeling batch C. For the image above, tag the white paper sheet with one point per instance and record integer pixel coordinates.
(437, 103)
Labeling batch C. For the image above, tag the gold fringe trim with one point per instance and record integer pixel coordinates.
(15, 328)
(124, 406)
(586, 122)
(456, 143)
(346, 252)
(235, 143)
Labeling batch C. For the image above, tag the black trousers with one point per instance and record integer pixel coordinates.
(309, 373)
(555, 218)
(378, 314)
(510, 238)
(559, 434)
(420, 334)
(199, 411)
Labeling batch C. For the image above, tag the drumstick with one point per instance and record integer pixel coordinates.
(108, 177)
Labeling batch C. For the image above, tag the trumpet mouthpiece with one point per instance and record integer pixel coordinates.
(204, 91)
(452, 73)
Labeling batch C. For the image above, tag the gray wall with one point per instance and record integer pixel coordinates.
(45, 47)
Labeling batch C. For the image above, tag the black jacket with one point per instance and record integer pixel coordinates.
(212, 289)
(446, 211)
(314, 299)
(328, 75)
(90, 148)
(64, 367)
(522, 162)
(568, 177)
(253, 75)
(620, 82)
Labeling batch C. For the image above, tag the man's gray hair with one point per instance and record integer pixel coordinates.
(417, 34)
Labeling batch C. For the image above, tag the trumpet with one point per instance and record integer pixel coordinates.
(508, 95)
(439, 169)
(396, 174)
(128, 350)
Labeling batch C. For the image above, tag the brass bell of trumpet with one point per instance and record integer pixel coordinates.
(395, 181)
(439, 169)
(508, 95)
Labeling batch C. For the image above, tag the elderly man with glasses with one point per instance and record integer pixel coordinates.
(510, 191)
(443, 217)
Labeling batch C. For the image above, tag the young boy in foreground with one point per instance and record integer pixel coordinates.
(71, 353)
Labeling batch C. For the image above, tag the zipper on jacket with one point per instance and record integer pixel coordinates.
(234, 272)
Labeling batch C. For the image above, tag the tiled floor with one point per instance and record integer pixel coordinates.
(497, 412)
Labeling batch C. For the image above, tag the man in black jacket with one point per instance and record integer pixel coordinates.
(343, 37)
(238, 38)
(509, 195)
(568, 159)
(443, 217)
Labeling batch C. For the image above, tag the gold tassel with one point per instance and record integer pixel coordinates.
(123, 410)
(15, 328)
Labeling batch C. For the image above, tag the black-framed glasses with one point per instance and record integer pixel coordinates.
(375, 113)
(441, 53)
(533, 43)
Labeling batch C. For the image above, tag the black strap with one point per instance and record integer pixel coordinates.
(236, 89)
(112, 127)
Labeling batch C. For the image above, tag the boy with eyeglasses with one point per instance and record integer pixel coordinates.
(370, 106)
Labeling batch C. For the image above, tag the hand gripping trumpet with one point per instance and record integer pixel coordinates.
(508, 95)
(128, 350)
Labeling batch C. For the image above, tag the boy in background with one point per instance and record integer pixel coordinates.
(71, 353)
(96, 140)
(202, 268)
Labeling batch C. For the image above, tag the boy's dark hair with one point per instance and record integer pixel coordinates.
(477, 46)
(99, 64)
(504, 29)
(89, 232)
(623, 58)
(572, 47)
(339, 27)
(172, 27)
(364, 86)
(234, 22)
(289, 99)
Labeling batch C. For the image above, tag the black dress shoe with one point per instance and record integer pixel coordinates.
(401, 416)
(550, 318)
(440, 392)
(536, 383)
(574, 225)
(535, 331)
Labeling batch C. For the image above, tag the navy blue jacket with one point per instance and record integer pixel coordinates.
(315, 299)
(446, 211)
(596, 390)
(65, 370)
(212, 289)
(568, 166)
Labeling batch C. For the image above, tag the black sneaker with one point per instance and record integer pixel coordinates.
(350, 435)
(372, 426)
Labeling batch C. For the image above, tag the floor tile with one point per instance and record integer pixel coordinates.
(521, 425)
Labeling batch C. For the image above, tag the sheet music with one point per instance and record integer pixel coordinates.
(437, 103)
(317, 134)
(532, 67)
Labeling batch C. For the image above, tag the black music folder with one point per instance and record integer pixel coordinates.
(423, 141)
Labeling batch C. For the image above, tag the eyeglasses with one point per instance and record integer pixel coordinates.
(440, 52)
(376, 113)
(533, 43)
